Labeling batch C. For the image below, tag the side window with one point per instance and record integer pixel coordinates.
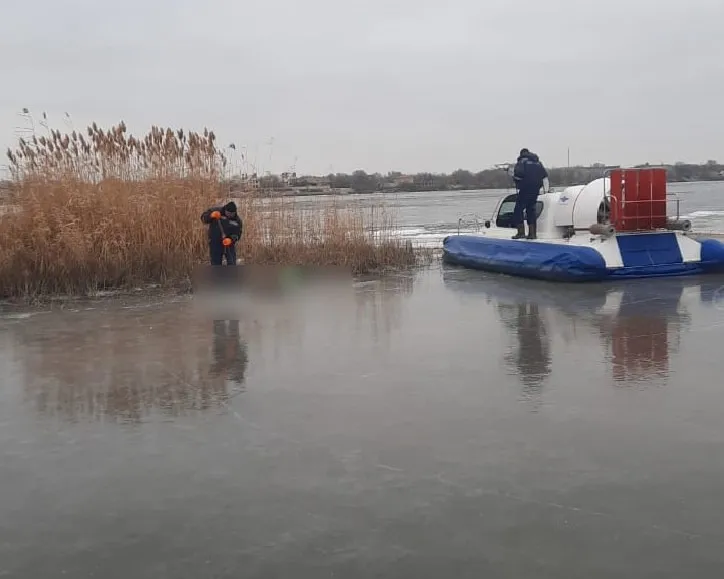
(604, 211)
(505, 213)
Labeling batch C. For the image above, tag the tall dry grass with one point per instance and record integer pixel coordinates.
(109, 210)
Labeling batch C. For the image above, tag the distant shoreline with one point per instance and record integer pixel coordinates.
(329, 192)
(498, 177)
(487, 180)
(5, 199)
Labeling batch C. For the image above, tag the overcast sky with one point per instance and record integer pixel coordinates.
(381, 85)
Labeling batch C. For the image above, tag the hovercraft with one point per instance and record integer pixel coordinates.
(615, 227)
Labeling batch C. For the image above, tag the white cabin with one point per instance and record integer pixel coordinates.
(560, 213)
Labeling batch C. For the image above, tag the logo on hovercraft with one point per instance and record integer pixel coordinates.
(563, 199)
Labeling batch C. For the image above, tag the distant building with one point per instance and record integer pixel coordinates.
(250, 182)
(313, 181)
(404, 180)
(398, 181)
(289, 179)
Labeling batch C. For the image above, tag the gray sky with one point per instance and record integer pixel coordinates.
(381, 85)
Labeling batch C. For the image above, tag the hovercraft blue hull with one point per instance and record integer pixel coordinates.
(644, 256)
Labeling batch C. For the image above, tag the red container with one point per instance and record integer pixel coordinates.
(638, 199)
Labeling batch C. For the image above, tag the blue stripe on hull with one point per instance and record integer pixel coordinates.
(646, 249)
(570, 263)
(662, 270)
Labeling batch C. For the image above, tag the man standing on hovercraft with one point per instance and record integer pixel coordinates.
(528, 175)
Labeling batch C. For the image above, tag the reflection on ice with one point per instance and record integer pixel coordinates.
(109, 364)
(639, 322)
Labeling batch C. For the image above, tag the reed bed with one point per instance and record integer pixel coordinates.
(107, 210)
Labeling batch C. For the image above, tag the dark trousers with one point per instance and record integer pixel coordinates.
(217, 252)
(525, 201)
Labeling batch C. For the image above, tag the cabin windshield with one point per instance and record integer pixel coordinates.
(505, 213)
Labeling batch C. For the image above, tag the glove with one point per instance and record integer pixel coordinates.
(215, 215)
(226, 241)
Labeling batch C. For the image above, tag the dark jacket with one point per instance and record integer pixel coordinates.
(529, 173)
(231, 227)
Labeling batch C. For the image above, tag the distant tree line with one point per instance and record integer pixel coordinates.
(498, 178)
(360, 181)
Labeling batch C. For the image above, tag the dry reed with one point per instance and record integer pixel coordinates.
(107, 210)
